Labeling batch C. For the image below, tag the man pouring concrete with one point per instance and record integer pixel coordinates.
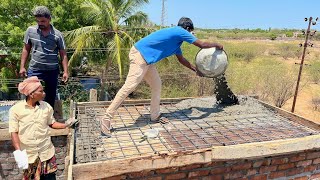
(143, 57)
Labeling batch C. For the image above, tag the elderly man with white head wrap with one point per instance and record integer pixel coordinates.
(29, 122)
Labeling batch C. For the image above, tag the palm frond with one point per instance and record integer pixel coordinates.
(136, 19)
(108, 31)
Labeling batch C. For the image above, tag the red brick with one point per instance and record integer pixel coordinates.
(115, 178)
(251, 172)
(286, 166)
(17, 177)
(16, 171)
(190, 167)
(257, 164)
(313, 155)
(220, 170)
(299, 157)
(277, 161)
(259, 177)
(310, 168)
(166, 171)
(294, 171)
(277, 174)
(213, 164)
(141, 174)
(153, 178)
(4, 155)
(304, 163)
(213, 177)
(176, 176)
(315, 176)
(10, 160)
(265, 169)
(7, 166)
(266, 162)
(316, 161)
(241, 166)
(302, 178)
(198, 173)
(234, 175)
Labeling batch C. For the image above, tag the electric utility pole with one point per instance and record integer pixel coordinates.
(305, 45)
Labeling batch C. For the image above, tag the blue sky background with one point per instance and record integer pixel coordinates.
(214, 14)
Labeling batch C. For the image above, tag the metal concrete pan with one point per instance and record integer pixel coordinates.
(211, 62)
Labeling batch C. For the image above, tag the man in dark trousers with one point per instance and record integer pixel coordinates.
(44, 42)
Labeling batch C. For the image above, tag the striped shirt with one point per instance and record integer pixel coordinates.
(44, 51)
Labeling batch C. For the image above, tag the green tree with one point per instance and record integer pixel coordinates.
(116, 25)
(16, 16)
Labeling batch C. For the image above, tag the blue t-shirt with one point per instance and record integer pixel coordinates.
(163, 43)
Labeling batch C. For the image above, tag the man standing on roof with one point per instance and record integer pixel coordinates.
(44, 42)
(143, 56)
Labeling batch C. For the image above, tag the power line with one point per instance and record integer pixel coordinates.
(142, 29)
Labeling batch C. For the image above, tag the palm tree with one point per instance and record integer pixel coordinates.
(114, 27)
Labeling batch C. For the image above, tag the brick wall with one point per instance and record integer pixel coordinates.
(9, 169)
(297, 166)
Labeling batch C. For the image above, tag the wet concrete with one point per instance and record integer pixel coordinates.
(223, 93)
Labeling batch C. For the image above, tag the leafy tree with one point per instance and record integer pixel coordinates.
(115, 27)
(16, 16)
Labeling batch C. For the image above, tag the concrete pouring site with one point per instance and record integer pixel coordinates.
(250, 140)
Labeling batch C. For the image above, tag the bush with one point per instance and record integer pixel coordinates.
(268, 78)
(289, 51)
(314, 71)
(246, 51)
(273, 37)
(316, 103)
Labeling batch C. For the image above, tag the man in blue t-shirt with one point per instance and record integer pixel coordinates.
(143, 56)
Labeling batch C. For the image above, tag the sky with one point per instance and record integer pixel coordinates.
(242, 14)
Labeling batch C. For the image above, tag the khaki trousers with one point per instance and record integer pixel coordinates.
(139, 70)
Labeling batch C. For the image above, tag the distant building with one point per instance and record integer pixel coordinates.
(296, 34)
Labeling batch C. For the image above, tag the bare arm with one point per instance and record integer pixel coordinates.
(186, 63)
(58, 125)
(64, 58)
(15, 140)
(24, 56)
(203, 45)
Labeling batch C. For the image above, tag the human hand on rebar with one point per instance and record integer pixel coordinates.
(21, 158)
(71, 121)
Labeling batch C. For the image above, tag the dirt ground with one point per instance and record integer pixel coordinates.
(304, 105)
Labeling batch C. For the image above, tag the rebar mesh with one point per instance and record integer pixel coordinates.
(184, 132)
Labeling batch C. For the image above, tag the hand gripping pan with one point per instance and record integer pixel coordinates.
(211, 62)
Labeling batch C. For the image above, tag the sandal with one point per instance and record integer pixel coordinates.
(161, 119)
(105, 125)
